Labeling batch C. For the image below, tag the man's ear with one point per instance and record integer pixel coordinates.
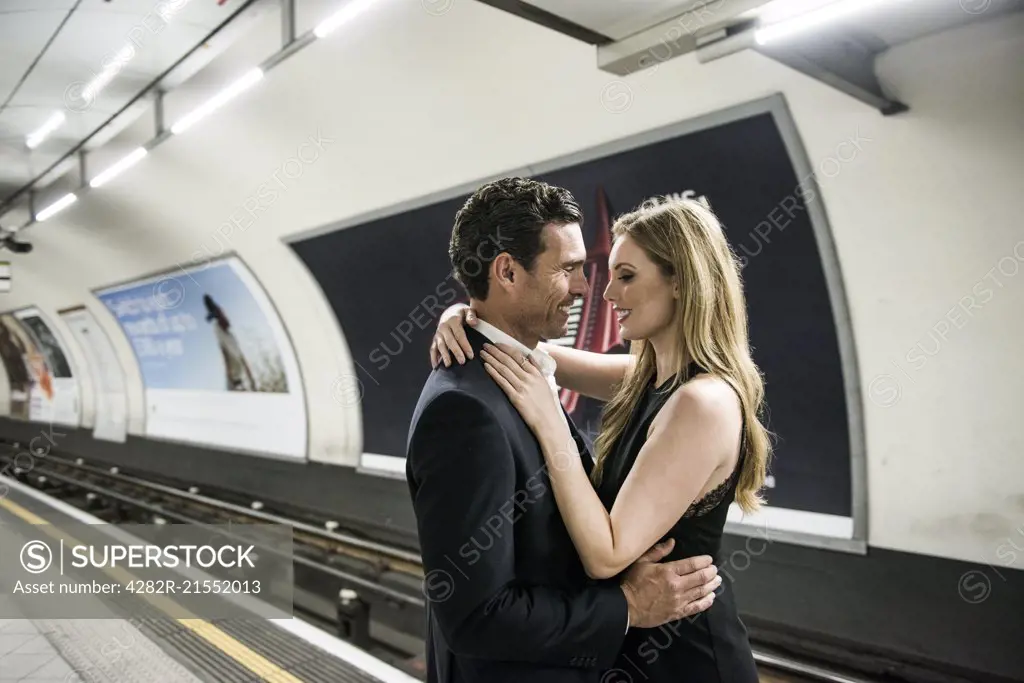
(503, 269)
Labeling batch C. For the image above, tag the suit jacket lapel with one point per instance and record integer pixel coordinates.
(581, 444)
(477, 340)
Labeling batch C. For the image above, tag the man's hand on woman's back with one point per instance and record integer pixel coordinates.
(658, 593)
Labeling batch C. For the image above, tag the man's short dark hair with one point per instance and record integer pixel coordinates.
(506, 215)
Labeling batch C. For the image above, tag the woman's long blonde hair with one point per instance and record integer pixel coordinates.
(685, 240)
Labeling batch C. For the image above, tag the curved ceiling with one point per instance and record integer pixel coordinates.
(93, 66)
(77, 63)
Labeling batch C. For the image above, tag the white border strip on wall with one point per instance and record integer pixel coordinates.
(382, 465)
(773, 520)
(770, 522)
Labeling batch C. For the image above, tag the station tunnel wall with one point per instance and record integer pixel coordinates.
(923, 208)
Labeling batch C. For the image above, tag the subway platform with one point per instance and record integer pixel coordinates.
(157, 641)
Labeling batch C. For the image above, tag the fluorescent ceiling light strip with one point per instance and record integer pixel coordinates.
(351, 9)
(832, 12)
(116, 169)
(59, 205)
(53, 123)
(345, 14)
(245, 82)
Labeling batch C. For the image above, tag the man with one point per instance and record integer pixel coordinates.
(507, 597)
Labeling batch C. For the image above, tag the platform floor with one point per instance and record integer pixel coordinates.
(75, 651)
(153, 647)
(26, 654)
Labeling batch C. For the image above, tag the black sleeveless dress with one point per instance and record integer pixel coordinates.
(711, 647)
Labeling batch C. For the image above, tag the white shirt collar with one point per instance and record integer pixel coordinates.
(544, 360)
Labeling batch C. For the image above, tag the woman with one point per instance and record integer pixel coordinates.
(680, 438)
(238, 375)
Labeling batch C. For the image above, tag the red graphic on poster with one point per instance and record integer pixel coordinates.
(592, 323)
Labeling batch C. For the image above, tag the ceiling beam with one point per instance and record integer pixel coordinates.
(855, 77)
(673, 38)
(140, 99)
(839, 59)
(546, 19)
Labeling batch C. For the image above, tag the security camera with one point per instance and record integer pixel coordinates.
(8, 242)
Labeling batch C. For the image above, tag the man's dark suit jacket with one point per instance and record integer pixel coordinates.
(507, 597)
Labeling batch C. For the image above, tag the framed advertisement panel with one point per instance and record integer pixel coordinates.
(217, 366)
(43, 387)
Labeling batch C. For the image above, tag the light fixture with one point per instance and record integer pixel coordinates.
(117, 168)
(36, 137)
(346, 13)
(810, 19)
(8, 241)
(250, 78)
(59, 205)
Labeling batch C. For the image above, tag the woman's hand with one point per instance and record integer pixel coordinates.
(450, 338)
(528, 390)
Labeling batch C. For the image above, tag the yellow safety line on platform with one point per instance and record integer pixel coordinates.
(251, 660)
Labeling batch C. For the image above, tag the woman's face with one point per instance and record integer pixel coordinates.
(641, 294)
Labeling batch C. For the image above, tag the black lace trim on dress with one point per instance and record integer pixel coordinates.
(714, 497)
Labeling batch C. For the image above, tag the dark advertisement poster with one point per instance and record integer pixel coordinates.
(389, 278)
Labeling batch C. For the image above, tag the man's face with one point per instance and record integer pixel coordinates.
(543, 301)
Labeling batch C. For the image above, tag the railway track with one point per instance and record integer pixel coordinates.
(364, 591)
(340, 576)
